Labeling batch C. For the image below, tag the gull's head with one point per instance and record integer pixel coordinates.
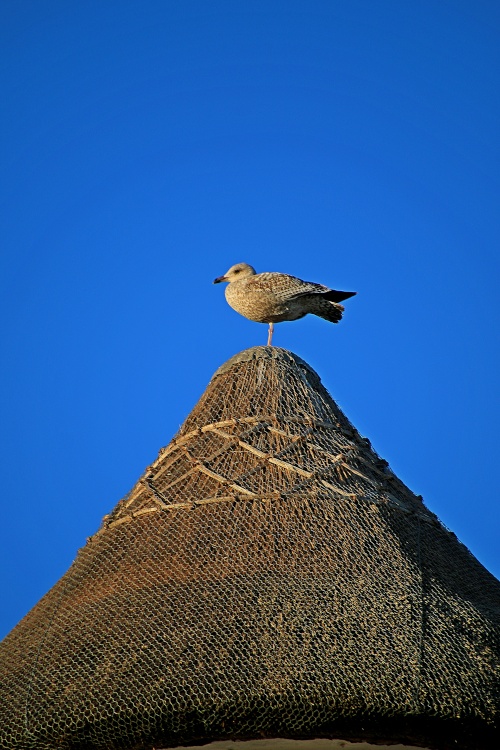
(236, 273)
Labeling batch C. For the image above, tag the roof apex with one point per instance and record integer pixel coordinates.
(267, 353)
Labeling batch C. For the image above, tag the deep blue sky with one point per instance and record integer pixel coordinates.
(148, 146)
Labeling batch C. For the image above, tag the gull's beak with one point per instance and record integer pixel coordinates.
(219, 279)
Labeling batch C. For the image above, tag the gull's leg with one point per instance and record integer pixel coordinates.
(270, 334)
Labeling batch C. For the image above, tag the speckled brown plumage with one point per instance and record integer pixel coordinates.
(277, 297)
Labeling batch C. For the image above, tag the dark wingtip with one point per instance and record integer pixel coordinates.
(335, 296)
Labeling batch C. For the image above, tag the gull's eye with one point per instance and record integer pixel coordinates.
(237, 270)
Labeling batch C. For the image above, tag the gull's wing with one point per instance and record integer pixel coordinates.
(285, 287)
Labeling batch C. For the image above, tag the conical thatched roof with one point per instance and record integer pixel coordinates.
(268, 576)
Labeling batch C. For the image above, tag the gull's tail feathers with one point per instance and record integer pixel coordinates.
(321, 307)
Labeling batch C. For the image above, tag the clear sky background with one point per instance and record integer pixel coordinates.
(148, 145)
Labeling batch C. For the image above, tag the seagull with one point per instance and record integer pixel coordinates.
(275, 297)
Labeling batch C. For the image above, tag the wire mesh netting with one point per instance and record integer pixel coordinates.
(267, 576)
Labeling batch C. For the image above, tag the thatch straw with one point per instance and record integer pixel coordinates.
(268, 576)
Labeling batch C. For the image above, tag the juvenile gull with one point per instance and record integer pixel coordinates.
(275, 297)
